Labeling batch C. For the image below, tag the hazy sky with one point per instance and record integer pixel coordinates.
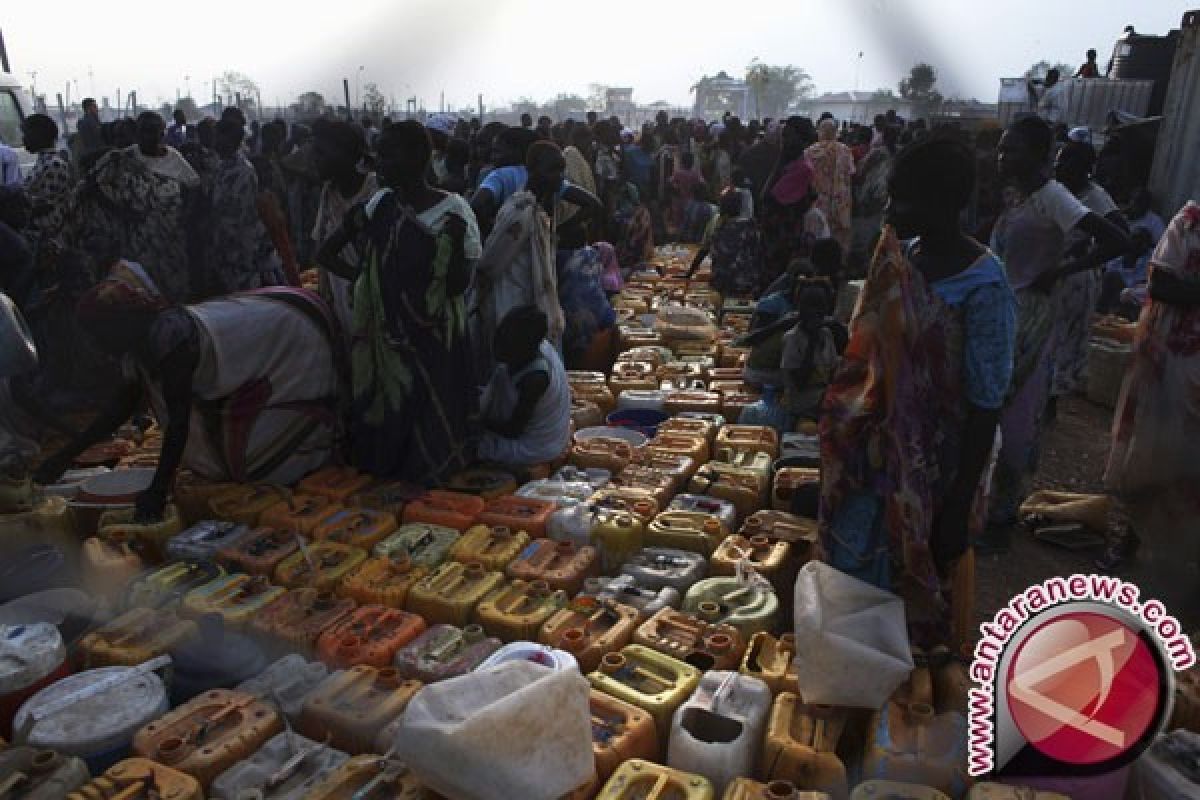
(507, 49)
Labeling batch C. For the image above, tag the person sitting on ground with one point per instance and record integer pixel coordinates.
(736, 249)
(526, 406)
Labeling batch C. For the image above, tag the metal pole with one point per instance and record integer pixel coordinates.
(346, 91)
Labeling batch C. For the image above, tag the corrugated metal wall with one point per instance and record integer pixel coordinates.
(1175, 176)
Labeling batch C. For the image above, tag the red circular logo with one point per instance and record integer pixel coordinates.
(1084, 688)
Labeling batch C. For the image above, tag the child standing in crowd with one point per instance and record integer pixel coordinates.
(526, 407)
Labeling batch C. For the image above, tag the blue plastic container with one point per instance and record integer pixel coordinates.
(643, 420)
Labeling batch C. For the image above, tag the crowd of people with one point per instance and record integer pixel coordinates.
(462, 268)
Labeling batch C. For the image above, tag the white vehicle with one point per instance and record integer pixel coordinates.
(15, 105)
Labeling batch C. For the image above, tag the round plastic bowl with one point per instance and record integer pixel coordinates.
(635, 439)
(117, 488)
(643, 420)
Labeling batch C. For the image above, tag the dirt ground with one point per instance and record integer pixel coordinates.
(1074, 455)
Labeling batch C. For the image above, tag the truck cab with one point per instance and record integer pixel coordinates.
(15, 105)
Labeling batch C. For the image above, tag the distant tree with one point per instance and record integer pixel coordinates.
(1038, 71)
(919, 88)
(373, 99)
(309, 103)
(775, 88)
(233, 84)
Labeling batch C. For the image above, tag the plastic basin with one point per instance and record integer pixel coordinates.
(643, 420)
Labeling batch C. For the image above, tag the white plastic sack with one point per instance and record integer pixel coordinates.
(852, 644)
(515, 730)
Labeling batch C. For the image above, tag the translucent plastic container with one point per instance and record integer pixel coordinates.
(492, 546)
(140, 779)
(259, 551)
(162, 587)
(427, 545)
(450, 593)
(287, 767)
(686, 530)
(771, 660)
(588, 628)
(208, 734)
(909, 743)
(596, 477)
(286, 682)
(516, 611)
(560, 492)
(723, 510)
(525, 514)
(368, 776)
(136, 636)
(352, 706)
(40, 774)
(202, 541)
(749, 608)
(656, 567)
(718, 731)
(655, 683)
(449, 509)
(642, 780)
(382, 581)
(561, 565)
(801, 746)
(531, 651)
(648, 398)
(370, 635)
(444, 651)
(32, 657)
(660, 485)
(697, 642)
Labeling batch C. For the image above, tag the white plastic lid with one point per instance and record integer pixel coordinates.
(96, 723)
(28, 653)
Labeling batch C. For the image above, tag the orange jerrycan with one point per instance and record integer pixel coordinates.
(493, 546)
(602, 452)
(370, 635)
(780, 526)
(791, 481)
(527, 514)
(516, 611)
(693, 531)
(745, 488)
(688, 437)
(588, 628)
(237, 597)
(301, 513)
(245, 503)
(771, 660)
(620, 731)
(259, 551)
(294, 622)
(694, 641)
(108, 567)
(679, 466)
(655, 683)
(335, 483)
(801, 746)
(426, 545)
(134, 638)
(359, 527)
(320, 565)
(483, 482)
(140, 779)
(351, 706)
(448, 509)
(209, 734)
(368, 776)
(450, 593)
(382, 581)
(747, 439)
(659, 485)
(641, 780)
(562, 565)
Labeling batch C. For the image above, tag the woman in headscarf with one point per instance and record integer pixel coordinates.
(909, 419)
(1157, 420)
(833, 173)
(788, 227)
(140, 200)
(636, 243)
(244, 386)
(1031, 236)
(413, 391)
